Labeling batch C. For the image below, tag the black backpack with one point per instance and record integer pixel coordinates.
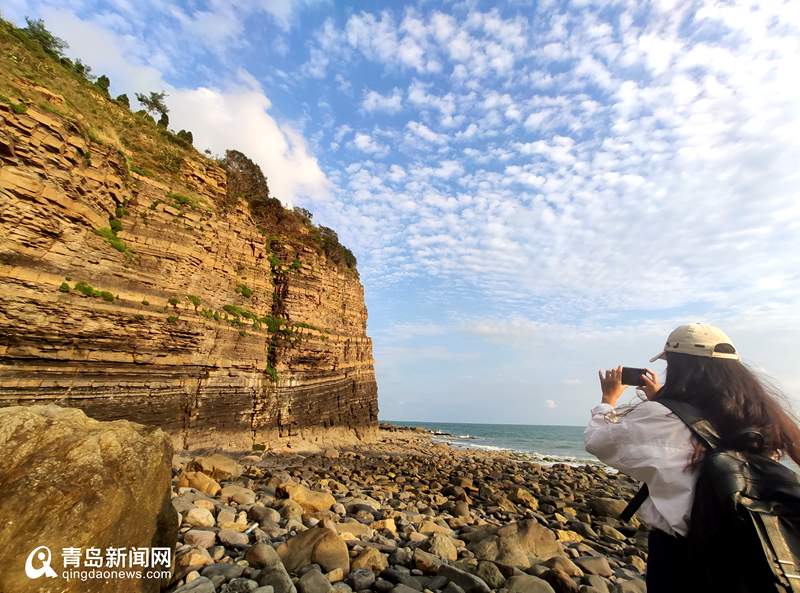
(744, 530)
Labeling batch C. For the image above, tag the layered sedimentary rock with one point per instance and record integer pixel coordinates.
(133, 299)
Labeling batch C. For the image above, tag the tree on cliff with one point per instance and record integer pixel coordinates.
(154, 102)
(245, 179)
(338, 253)
(53, 45)
(103, 83)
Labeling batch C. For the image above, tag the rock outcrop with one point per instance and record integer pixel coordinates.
(133, 298)
(71, 482)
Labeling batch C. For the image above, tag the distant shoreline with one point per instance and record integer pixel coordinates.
(538, 443)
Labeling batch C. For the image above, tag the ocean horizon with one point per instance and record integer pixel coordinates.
(543, 443)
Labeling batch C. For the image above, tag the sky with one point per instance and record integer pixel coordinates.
(533, 190)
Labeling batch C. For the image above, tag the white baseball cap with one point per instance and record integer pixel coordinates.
(699, 339)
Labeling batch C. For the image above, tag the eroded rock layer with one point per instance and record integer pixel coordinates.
(187, 317)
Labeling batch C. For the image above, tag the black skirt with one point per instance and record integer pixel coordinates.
(668, 566)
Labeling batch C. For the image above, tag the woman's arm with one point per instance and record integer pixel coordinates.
(618, 438)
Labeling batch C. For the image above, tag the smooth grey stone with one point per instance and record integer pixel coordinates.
(239, 585)
(361, 578)
(278, 578)
(382, 585)
(597, 583)
(436, 582)
(199, 585)
(401, 588)
(469, 582)
(229, 571)
(632, 586)
(262, 555)
(451, 587)
(314, 581)
(526, 583)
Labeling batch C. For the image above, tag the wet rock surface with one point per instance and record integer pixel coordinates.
(403, 515)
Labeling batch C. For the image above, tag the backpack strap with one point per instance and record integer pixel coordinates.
(777, 550)
(634, 503)
(692, 417)
(694, 421)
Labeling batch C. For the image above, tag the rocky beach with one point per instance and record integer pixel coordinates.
(402, 514)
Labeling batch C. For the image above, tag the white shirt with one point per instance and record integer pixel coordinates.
(649, 443)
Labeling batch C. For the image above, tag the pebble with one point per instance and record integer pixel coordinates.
(198, 585)
(381, 518)
(200, 538)
(198, 517)
(232, 538)
(314, 582)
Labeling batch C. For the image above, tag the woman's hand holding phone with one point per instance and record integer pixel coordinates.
(611, 385)
(651, 385)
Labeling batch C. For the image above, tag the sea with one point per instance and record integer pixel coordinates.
(544, 444)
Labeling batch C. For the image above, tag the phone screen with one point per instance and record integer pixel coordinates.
(632, 376)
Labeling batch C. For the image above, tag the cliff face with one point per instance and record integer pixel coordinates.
(187, 317)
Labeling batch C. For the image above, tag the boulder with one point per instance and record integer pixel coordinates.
(442, 546)
(199, 517)
(310, 500)
(564, 564)
(200, 537)
(318, 545)
(516, 544)
(361, 578)
(609, 531)
(192, 558)
(68, 480)
(632, 586)
(218, 466)
(237, 494)
(355, 528)
(370, 558)
(525, 498)
(607, 507)
(314, 582)
(199, 481)
(198, 585)
(277, 578)
(385, 524)
(426, 562)
(560, 581)
(596, 583)
(262, 555)
(468, 582)
(490, 574)
(525, 583)
(232, 538)
(594, 565)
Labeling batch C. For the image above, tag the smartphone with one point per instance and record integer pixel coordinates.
(632, 376)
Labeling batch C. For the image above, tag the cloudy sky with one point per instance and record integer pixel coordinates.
(533, 190)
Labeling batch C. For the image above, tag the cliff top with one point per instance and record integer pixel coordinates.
(38, 76)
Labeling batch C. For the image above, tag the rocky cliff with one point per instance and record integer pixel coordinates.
(143, 293)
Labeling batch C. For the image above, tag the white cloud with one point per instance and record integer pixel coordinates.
(366, 143)
(374, 101)
(236, 116)
(422, 131)
(550, 404)
(239, 119)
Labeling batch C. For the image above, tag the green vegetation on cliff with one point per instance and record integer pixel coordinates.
(37, 74)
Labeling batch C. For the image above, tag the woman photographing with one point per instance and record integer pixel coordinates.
(662, 442)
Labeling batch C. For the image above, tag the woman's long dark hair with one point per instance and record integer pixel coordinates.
(734, 399)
